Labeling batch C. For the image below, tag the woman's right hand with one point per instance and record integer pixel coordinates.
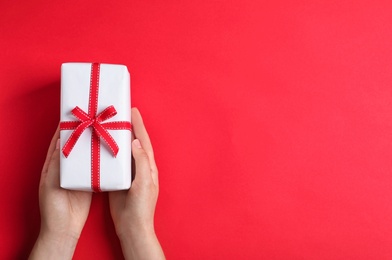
(133, 210)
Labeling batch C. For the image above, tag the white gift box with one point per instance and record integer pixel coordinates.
(114, 172)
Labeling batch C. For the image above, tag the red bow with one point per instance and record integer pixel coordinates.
(97, 125)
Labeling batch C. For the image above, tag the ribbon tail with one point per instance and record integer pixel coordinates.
(69, 145)
(105, 135)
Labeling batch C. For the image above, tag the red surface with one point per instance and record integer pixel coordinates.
(271, 121)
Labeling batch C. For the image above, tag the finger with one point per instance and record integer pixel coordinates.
(143, 169)
(52, 147)
(140, 131)
(53, 174)
(141, 134)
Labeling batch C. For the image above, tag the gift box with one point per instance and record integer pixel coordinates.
(95, 128)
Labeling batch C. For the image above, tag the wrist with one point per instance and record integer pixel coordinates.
(131, 234)
(68, 240)
(63, 232)
(50, 245)
(141, 244)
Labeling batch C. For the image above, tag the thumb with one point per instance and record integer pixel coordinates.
(53, 175)
(142, 163)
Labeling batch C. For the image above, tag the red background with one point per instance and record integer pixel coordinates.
(271, 121)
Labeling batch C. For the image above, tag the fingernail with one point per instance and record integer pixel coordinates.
(58, 144)
(137, 143)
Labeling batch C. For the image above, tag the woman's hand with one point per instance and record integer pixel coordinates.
(133, 210)
(63, 212)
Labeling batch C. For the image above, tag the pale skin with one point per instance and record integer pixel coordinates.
(64, 212)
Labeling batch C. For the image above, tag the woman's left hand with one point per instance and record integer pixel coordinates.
(63, 212)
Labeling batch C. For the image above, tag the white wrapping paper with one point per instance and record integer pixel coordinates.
(114, 89)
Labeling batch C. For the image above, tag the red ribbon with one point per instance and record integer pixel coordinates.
(99, 129)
